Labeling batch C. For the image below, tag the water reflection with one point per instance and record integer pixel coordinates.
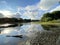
(9, 35)
(50, 27)
(50, 36)
(17, 36)
(9, 25)
(32, 34)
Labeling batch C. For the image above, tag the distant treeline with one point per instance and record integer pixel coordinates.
(51, 16)
(15, 20)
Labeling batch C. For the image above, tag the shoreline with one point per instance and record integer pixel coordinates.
(48, 23)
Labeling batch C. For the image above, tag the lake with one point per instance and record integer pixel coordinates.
(32, 34)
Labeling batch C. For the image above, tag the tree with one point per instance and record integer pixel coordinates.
(51, 16)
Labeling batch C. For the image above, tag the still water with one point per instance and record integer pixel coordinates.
(32, 34)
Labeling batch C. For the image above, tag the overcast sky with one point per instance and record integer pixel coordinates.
(29, 9)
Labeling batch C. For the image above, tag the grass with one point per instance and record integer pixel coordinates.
(52, 22)
(49, 23)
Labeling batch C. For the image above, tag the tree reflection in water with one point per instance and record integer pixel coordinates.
(50, 36)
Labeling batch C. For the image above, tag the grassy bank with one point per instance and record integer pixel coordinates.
(49, 23)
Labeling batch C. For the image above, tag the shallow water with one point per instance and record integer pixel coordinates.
(32, 34)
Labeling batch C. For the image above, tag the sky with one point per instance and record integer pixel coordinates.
(27, 9)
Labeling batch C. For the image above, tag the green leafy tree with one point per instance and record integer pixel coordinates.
(51, 16)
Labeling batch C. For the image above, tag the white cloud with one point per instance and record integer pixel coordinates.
(47, 4)
(5, 5)
(56, 9)
(35, 11)
(32, 7)
(30, 12)
(6, 31)
(6, 13)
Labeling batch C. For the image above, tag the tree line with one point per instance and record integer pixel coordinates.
(51, 16)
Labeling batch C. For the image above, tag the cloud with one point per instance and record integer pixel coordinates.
(5, 9)
(56, 9)
(36, 11)
(47, 4)
(9, 14)
(4, 5)
(6, 13)
(30, 12)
